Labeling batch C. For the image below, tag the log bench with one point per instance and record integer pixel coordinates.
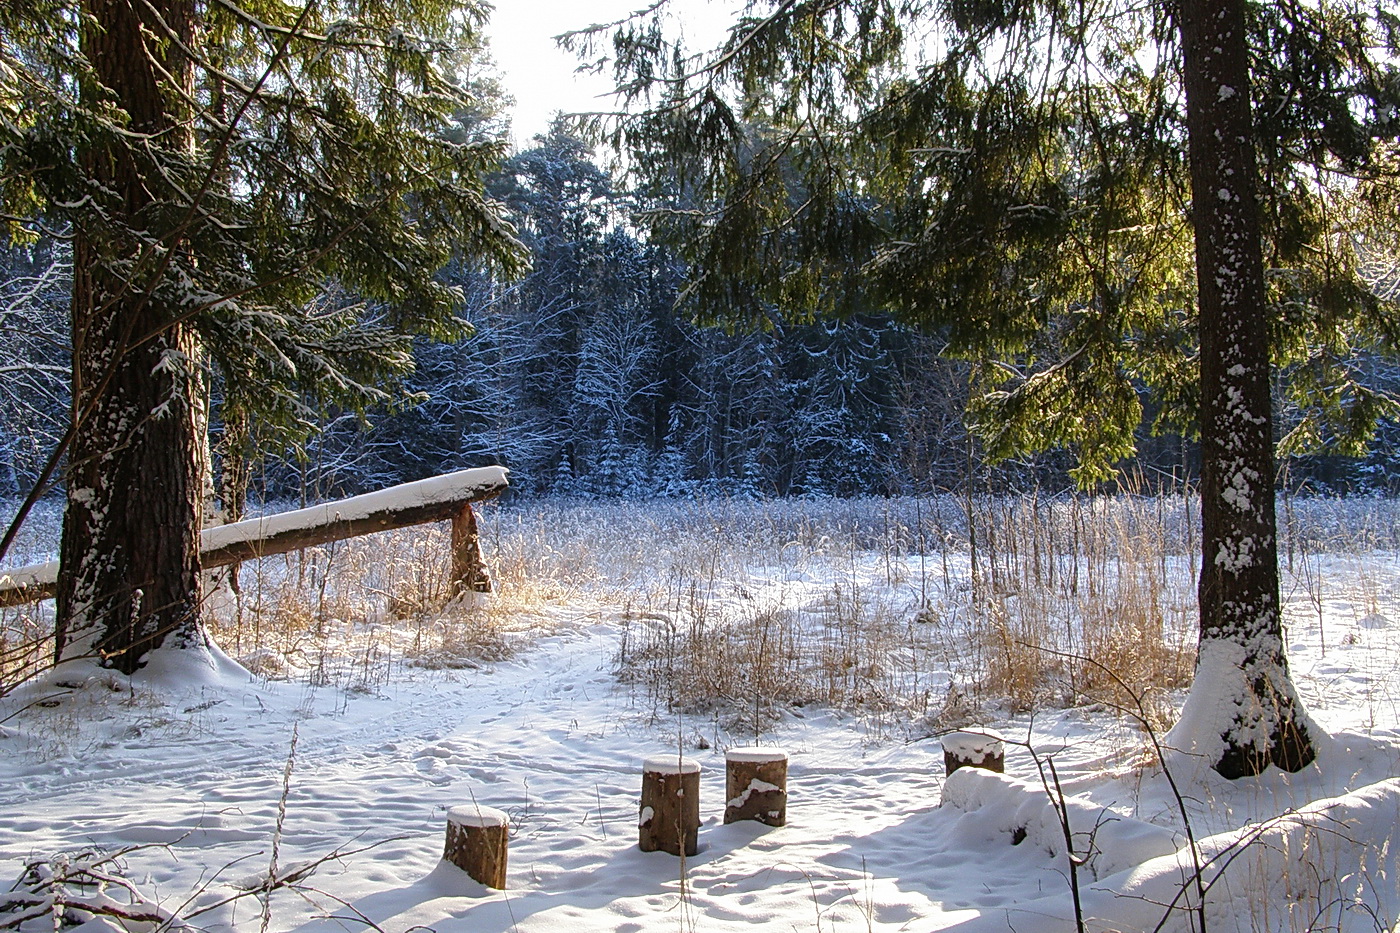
(439, 498)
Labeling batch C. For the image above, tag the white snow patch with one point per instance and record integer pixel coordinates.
(756, 754)
(663, 764)
(450, 487)
(755, 787)
(973, 746)
(477, 817)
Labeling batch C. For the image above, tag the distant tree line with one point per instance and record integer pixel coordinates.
(585, 379)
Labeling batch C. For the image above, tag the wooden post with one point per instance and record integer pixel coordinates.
(756, 785)
(468, 569)
(669, 820)
(975, 749)
(476, 843)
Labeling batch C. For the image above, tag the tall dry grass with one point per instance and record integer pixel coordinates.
(928, 612)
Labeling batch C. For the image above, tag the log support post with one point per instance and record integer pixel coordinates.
(476, 843)
(756, 785)
(468, 569)
(669, 820)
(981, 748)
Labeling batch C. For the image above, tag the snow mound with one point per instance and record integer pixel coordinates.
(1110, 841)
(196, 668)
(1331, 862)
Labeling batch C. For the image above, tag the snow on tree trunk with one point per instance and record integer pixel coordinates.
(130, 548)
(1242, 712)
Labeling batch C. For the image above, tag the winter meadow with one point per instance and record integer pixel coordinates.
(882, 466)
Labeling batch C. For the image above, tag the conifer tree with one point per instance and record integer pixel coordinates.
(216, 166)
(1016, 176)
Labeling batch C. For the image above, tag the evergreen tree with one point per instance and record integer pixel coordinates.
(218, 164)
(1014, 176)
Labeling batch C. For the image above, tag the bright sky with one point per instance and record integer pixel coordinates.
(540, 75)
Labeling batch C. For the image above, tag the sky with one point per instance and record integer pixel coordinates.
(541, 76)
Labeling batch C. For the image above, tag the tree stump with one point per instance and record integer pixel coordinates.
(476, 843)
(975, 749)
(756, 785)
(669, 820)
(468, 569)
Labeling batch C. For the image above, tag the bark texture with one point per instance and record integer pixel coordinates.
(669, 820)
(1239, 586)
(130, 548)
(469, 573)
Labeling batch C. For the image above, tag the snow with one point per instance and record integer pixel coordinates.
(756, 786)
(450, 487)
(45, 574)
(756, 754)
(187, 760)
(973, 746)
(477, 817)
(671, 765)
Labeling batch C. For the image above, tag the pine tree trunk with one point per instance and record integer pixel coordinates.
(130, 548)
(1242, 690)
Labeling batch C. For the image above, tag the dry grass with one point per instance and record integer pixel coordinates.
(1065, 602)
(746, 660)
(1085, 601)
(918, 614)
(350, 613)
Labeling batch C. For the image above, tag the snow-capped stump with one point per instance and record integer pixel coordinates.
(477, 838)
(756, 785)
(981, 748)
(669, 820)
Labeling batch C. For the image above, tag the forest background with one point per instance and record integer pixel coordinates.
(585, 378)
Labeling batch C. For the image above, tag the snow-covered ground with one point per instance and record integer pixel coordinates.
(215, 774)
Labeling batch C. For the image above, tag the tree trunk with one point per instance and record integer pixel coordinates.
(130, 548)
(1242, 693)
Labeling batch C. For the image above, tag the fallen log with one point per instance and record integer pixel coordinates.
(430, 500)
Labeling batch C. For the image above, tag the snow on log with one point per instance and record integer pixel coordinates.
(669, 818)
(429, 500)
(28, 584)
(756, 785)
(477, 841)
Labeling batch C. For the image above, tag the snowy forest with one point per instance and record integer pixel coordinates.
(983, 413)
(585, 378)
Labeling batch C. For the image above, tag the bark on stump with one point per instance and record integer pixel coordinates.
(476, 843)
(669, 820)
(980, 749)
(468, 569)
(756, 785)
